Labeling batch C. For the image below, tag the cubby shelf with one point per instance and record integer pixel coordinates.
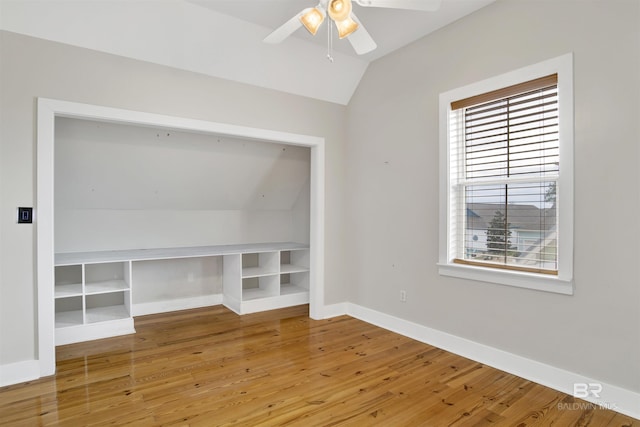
(258, 281)
(65, 319)
(255, 294)
(289, 289)
(106, 314)
(101, 295)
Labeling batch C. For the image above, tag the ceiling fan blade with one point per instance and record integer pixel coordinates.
(425, 5)
(285, 30)
(360, 39)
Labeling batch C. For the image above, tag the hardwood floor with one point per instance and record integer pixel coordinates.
(210, 367)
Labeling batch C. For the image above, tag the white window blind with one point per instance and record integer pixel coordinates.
(504, 165)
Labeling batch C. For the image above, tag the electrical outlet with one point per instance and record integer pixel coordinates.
(403, 296)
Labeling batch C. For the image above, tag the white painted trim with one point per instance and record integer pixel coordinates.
(335, 310)
(154, 307)
(621, 400)
(519, 279)
(49, 109)
(19, 372)
(77, 110)
(232, 303)
(270, 303)
(316, 237)
(94, 331)
(44, 224)
(563, 283)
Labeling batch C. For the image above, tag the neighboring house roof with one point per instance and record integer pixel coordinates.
(521, 217)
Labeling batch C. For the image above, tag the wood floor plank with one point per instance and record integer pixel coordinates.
(211, 367)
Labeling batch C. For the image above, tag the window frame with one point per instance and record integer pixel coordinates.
(563, 282)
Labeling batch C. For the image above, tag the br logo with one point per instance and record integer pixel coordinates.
(583, 390)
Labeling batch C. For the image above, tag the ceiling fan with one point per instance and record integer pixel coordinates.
(346, 22)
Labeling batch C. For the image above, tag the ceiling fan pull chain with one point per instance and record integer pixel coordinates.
(329, 42)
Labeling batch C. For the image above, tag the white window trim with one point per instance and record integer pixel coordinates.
(563, 282)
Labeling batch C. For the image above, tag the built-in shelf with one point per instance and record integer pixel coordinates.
(257, 281)
(107, 286)
(260, 264)
(93, 290)
(255, 294)
(288, 268)
(70, 290)
(294, 261)
(101, 294)
(65, 319)
(289, 289)
(106, 314)
(250, 272)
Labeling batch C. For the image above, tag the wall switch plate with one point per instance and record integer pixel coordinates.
(25, 215)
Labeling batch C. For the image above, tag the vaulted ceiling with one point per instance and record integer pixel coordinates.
(223, 38)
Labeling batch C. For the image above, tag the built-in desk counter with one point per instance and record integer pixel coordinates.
(93, 290)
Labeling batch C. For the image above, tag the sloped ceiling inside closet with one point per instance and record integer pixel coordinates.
(113, 166)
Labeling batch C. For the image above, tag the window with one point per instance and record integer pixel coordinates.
(506, 178)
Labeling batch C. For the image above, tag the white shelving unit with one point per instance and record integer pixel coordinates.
(93, 290)
(260, 275)
(266, 280)
(92, 300)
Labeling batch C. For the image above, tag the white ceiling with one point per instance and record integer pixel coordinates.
(223, 38)
(390, 28)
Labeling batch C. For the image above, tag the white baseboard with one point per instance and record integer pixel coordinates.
(154, 307)
(94, 331)
(19, 372)
(334, 310)
(612, 397)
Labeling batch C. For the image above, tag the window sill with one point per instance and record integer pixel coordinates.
(538, 282)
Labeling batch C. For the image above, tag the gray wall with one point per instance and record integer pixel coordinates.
(392, 186)
(32, 68)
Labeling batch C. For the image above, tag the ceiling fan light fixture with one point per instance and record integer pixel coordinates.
(312, 18)
(339, 10)
(346, 27)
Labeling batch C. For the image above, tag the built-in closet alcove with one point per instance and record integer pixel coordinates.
(130, 187)
(141, 213)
